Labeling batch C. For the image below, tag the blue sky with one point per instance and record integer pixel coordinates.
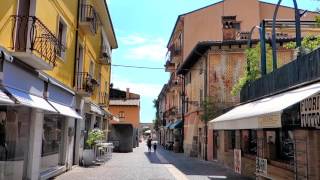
(143, 28)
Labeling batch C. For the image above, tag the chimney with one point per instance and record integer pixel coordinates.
(128, 93)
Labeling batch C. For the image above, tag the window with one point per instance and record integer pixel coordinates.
(62, 35)
(91, 69)
(280, 145)
(186, 105)
(201, 68)
(249, 141)
(52, 135)
(121, 115)
(201, 97)
(52, 142)
(188, 78)
(14, 142)
(231, 139)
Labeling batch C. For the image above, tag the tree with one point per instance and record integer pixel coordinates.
(210, 110)
(156, 121)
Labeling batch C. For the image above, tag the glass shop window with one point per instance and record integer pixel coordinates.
(14, 142)
(231, 140)
(249, 141)
(52, 142)
(280, 145)
(52, 135)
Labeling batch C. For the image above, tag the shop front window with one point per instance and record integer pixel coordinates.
(52, 140)
(280, 145)
(14, 140)
(249, 141)
(231, 139)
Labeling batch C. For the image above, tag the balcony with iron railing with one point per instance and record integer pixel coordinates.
(33, 43)
(85, 84)
(89, 19)
(105, 55)
(103, 99)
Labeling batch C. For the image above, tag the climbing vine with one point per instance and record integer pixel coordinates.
(309, 43)
(253, 58)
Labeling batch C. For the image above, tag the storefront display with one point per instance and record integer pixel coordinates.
(52, 140)
(14, 139)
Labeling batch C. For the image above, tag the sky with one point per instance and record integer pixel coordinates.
(143, 29)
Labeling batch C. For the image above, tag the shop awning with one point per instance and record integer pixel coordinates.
(96, 109)
(4, 99)
(176, 125)
(30, 100)
(168, 125)
(264, 113)
(65, 110)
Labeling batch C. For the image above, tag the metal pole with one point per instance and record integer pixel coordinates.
(206, 100)
(298, 31)
(263, 49)
(183, 109)
(249, 44)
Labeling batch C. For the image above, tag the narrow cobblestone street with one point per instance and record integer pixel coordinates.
(141, 165)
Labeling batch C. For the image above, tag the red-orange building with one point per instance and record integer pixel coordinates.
(124, 128)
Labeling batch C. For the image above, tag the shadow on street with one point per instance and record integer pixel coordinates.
(191, 166)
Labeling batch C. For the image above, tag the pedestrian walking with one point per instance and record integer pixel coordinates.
(149, 143)
(154, 146)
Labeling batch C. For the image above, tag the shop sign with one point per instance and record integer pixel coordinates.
(270, 121)
(237, 160)
(261, 166)
(310, 112)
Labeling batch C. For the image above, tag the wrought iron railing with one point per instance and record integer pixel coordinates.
(305, 69)
(85, 82)
(89, 14)
(42, 41)
(103, 98)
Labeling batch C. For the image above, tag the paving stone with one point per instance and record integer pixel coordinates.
(142, 165)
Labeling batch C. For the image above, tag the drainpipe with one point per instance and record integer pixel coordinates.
(76, 45)
(205, 96)
(182, 77)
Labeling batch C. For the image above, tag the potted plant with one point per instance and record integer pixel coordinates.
(94, 136)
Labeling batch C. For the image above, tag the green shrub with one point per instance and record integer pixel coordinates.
(94, 136)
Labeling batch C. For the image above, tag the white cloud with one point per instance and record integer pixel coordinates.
(151, 49)
(133, 40)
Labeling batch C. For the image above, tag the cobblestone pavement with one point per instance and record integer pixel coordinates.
(142, 165)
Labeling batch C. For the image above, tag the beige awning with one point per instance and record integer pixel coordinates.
(264, 113)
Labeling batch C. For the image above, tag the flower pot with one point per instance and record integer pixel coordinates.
(88, 157)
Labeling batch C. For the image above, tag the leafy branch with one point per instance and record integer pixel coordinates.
(253, 58)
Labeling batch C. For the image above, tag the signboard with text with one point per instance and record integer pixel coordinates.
(310, 112)
(261, 166)
(237, 160)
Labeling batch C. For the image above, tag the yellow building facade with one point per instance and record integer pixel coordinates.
(55, 68)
